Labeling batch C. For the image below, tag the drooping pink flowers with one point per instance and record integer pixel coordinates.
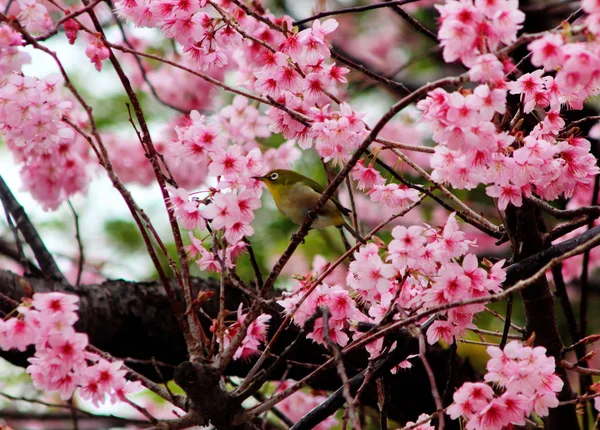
(54, 158)
(61, 361)
(528, 383)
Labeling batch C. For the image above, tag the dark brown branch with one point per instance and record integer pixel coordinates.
(507, 320)
(30, 234)
(585, 379)
(341, 370)
(566, 228)
(590, 211)
(7, 249)
(343, 57)
(354, 9)
(527, 227)
(18, 419)
(382, 366)
(414, 23)
(563, 297)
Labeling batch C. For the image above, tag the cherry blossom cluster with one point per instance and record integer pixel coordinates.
(205, 38)
(336, 134)
(11, 58)
(255, 335)
(287, 66)
(243, 123)
(231, 204)
(577, 65)
(97, 52)
(34, 16)
(54, 158)
(297, 77)
(526, 382)
(422, 267)
(471, 151)
(232, 158)
(592, 22)
(61, 362)
(239, 123)
(282, 63)
(471, 28)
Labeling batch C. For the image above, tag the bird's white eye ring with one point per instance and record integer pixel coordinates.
(274, 176)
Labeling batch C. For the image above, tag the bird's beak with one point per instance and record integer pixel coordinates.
(259, 178)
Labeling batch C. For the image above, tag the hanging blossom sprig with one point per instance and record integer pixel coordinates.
(55, 160)
(61, 361)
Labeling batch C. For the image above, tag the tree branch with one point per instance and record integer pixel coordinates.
(25, 226)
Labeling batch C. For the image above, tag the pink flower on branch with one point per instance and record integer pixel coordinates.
(61, 361)
(522, 374)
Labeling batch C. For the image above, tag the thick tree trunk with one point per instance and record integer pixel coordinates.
(528, 230)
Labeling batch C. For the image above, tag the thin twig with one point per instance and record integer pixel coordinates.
(194, 341)
(354, 9)
(405, 146)
(382, 404)
(141, 410)
(20, 254)
(339, 365)
(563, 297)
(494, 333)
(138, 60)
(463, 208)
(254, 263)
(586, 340)
(355, 223)
(81, 260)
(434, 390)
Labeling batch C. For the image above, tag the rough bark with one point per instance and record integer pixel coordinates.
(134, 320)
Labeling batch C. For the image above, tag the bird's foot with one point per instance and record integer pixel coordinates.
(296, 238)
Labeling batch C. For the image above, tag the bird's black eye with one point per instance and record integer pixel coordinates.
(274, 176)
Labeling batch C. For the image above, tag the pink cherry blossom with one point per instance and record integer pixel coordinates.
(97, 52)
(487, 68)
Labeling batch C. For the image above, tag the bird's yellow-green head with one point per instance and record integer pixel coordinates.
(282, 178)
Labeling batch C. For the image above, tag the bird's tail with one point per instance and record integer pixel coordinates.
(353, 233)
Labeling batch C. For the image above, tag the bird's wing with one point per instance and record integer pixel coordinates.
(320, 189)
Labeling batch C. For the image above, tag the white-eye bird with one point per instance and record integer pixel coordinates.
(295, 195)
